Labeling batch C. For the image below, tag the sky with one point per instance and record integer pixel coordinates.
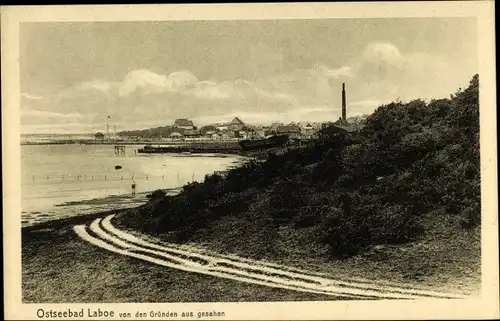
(147, 74)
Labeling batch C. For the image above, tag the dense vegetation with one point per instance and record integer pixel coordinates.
(351, 191)
(163, 132)
(155, 132)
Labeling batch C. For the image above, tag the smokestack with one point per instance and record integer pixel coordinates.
(343, 103)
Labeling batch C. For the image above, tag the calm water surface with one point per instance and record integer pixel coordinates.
(54, 174)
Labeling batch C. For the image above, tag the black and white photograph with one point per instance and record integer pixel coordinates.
(249, 160)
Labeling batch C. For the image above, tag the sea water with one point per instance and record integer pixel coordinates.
(56, 174)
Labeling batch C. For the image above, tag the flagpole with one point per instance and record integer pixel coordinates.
(107, 126)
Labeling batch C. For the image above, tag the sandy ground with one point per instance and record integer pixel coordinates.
(86, 207)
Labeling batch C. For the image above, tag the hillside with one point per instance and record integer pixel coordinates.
(151, 132)
(410, 175)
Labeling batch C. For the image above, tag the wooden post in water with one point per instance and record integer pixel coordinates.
(119, 149)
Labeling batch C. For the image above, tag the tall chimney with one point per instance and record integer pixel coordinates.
(343, 103)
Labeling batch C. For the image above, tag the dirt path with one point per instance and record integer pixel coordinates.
(103, 234)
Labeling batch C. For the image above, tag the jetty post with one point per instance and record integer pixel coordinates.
(119, 149)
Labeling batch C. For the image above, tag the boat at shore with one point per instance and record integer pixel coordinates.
(218, 148)
(189, 150)
(270, 142)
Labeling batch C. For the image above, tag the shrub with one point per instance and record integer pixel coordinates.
(157, 194)
(409, 159)
(471, 216)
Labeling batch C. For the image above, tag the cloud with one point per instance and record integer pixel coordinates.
(382, 52)
(149, 82)
(46, 114)
(344, 72)
(34, 117)
(31, 97)
(380, 74)
(96, 84)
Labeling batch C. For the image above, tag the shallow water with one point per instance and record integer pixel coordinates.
(55, 174)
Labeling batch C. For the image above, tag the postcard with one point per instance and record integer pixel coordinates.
(279, 161)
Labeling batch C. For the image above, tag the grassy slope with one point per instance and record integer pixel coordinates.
(402, 203)
(51, 256)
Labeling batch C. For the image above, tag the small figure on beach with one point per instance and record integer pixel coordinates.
(133, 188)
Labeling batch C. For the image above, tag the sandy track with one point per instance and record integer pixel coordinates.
(103, 234)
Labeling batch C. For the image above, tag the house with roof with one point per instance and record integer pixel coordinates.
(293, 131)
(176, 135)
(307, 131)
(208, 130)
(236, 124)
(275, 126)
(183, 123)
(192, 133)
(331, 131)
(209, 133)
(222, 127)
(215, 136)
(228, 135)
(265, 131)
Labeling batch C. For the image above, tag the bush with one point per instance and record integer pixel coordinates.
(157, 194)
(471, 216)
(409, 159)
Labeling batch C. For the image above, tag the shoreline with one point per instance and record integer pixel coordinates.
(87, 207)
(105, 203)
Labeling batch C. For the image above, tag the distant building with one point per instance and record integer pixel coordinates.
(176, 135)
(330, 131)
(183, 123)
(307, 131)
(275, 126)
(265, 131)
(99, 136)
(327, 124)
(192, 134)
(222, 127)
(293, 131)
(208, 130)
(210, 133)
(228, 135)
(236, 124)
